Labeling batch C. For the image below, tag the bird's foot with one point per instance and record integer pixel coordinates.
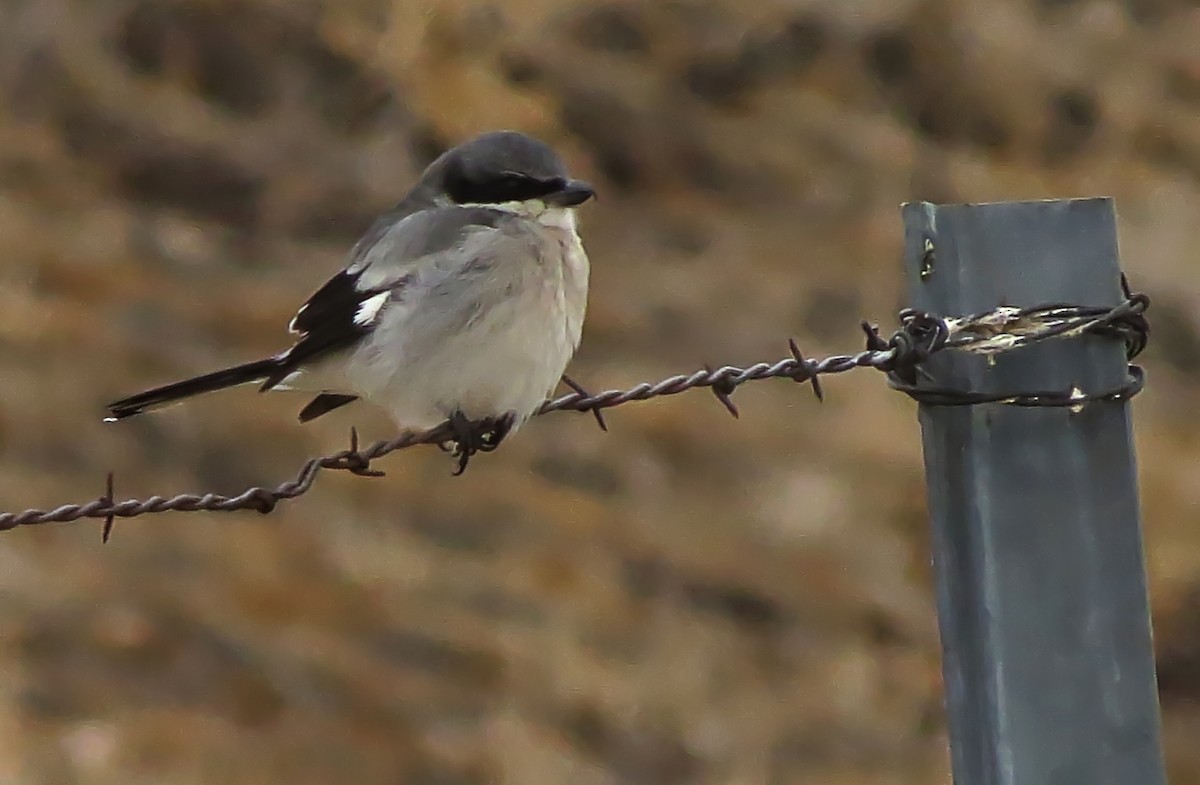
(476, 436)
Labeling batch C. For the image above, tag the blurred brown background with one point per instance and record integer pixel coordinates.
(687, 599)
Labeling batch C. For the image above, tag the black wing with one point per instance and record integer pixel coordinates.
(338, 297)
(324, 404)
(331, 319)
(345, 309)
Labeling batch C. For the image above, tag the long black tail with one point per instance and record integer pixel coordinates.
(256, 371)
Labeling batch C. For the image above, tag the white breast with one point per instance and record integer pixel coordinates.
(499, 347)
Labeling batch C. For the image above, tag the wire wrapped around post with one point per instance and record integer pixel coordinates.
(919, 336)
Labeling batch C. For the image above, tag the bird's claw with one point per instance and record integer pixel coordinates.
(475, 436)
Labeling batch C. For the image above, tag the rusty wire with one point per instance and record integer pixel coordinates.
(919, 337)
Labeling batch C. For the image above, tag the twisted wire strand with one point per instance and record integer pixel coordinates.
(919, 337)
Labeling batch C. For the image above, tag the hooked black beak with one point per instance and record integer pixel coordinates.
(572, 194)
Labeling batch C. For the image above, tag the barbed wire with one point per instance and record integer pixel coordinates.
(900, 357)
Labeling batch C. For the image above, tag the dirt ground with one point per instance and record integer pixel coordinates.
(685, 599)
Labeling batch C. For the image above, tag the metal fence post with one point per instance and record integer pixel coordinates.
(1042, 603)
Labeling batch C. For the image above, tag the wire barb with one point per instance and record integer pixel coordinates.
(107, 502)
(355, 462)
(599, 415)
(722, 387)
(875, 343)
(809, 375)
(901, 358)
(263, 501)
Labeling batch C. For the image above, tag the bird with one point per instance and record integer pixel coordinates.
(464, 303)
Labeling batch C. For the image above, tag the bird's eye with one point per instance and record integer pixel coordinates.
(503, 187)
(520, 183)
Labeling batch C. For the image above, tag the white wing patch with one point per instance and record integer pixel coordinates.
(292, 324)
(287, 381)
(370, 308)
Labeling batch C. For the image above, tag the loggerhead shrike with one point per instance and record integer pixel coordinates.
(465, 303)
